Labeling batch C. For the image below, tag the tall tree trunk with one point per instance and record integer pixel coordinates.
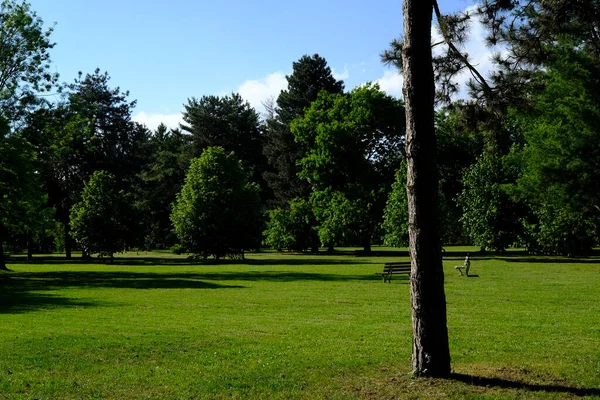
(2, 263)
(67, 240)
(366, 243)
(430, 353)
(29, 246)
(314, 237)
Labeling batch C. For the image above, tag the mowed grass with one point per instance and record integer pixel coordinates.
(156, 326)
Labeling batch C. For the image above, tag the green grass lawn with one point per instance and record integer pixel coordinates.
(157, 326)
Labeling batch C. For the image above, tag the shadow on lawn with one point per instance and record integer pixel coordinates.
(288, 259)
(148, 280)
(509, 384)
(551, 260)
(28, 291)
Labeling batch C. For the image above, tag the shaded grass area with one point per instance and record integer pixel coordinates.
(293, 326)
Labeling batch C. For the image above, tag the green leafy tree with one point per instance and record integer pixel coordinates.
(21, 195)
(120, 146)
(353, 143)
(99, 222)
(310, 76)
(291, 229)
(161, 180)
(229, 122)
(218, 212)
(24, 75)
(561, 159)
(341, 220)
(395, 216)
(24, 59)
(490, 215)
(64, 143)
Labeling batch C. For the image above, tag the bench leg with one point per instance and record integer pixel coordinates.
(459, 269)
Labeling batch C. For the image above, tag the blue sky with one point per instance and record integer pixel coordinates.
(166, 52)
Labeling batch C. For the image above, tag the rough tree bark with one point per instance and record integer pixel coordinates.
(430, 353)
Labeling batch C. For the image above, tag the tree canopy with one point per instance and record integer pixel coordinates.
(218, 212)
(310, 76)
(99, 222)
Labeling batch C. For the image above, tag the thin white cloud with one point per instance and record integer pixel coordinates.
(257, 91)
(152, 121)
(340, 75)
(391, 83)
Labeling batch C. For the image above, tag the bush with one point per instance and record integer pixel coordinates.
(178, 249)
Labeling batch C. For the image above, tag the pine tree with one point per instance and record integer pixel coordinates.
(310, 75)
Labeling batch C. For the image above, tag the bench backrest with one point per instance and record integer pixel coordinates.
(397, 267)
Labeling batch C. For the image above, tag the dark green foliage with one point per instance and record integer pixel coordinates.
(24, 75)
(395, 215)
(353, 144)
(291, 229)
(561, 160)
(458, 146)
(161, 180)
(64, 143)
(310, 76)
(100, 221)
(22, 201)
(177, 249)
(342, 220)
(228, 122)
(218, 212)
(120, 146)
(490, 216)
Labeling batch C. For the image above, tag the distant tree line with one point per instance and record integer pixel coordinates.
(518, 166)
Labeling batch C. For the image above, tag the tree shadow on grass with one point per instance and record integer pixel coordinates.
(184, 280)
(22, 301)
(551, 260)
(288, 259)
(510, 384)
(29, 291)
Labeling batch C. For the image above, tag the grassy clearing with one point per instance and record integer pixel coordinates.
(156, 326)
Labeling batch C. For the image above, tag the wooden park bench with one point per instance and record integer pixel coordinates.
(394, 268)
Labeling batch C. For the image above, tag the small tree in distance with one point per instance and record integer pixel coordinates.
(218, 212)
(99, 222)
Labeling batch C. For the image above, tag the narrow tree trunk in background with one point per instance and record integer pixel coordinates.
(430, 353)
(314, 238)
(2, 263)
(67, 240)
(29, 247)
(367, 244)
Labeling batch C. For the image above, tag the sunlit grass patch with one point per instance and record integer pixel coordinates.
(293, 326)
